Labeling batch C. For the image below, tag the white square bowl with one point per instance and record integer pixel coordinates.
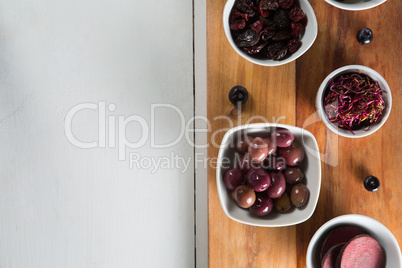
(311, 167)
(307, 39)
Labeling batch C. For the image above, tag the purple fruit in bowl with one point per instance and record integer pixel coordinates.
(282, 137)
(258, 179)
(233, 178)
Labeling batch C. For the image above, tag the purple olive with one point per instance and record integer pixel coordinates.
(233, 178)
(282, 137)
(278, 185)
(294, 154)
(299, 195)
(241, 144)
(243, 196)
(245, 164)
(293, 175)
(271, 146)
(276, 163)
(258, 149)
(262, 206)
(258, 179)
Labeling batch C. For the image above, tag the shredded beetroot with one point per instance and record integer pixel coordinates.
(353, 101)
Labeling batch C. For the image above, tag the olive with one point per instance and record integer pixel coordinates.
(271, 146)
(241, 144)
(262, 206)
(238, 95)
(371, 183)
(243, 196)
(364, 36)
(282, 204)
(258, 179)
(274, 163)
(258, 149)
(293, 175)
(282, 137)
(299, 195)
(278, 185)
(294, 154)
(245, 164)
(233, 178)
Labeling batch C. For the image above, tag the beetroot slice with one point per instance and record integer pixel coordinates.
(330, 257)
(361, 251)
(339, 235)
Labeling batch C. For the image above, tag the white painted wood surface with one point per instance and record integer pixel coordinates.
(63, 206)
(201, 138)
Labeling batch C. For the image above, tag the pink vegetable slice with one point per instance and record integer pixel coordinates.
(329, 260)
(361, 251)
(339, 235)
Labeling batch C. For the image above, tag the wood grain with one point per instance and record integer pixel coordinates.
(289, 91)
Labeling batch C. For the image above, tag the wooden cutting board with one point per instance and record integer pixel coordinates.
(286, 94)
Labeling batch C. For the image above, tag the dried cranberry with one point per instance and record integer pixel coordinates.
(297, 29)
(281, 19)
(246, 6)
(264, 13)
(269, 23)
(303, 21)
(256, 48)
(282, 35)
(276, 51)
(247, 39)
(296, 14)
(236, 14)
(293, 45)
(238, 25)
(281, 54)
(257, 26)
(286, 3)
(267, 33)
(268, 4)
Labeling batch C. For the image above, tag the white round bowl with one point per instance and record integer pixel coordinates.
(386, 96)
(311, 167)
(355, 5)
(307, 40)
(373, 227)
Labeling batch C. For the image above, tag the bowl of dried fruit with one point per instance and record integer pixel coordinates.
(268, 175)
(270, 32)
(355, 5)
(354, 101)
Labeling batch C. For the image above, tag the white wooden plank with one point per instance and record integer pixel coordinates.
(63, 206)
(201, 138)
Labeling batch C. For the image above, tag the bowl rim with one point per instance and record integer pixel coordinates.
(353, 219)
(226, 13)
(222, 190)
(345, 133)
(355, 6)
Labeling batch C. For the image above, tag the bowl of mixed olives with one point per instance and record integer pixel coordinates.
(270, 32)
(268, 175)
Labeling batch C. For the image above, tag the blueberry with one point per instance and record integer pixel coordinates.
(238, 95)
(364, 36)
(371, 184)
